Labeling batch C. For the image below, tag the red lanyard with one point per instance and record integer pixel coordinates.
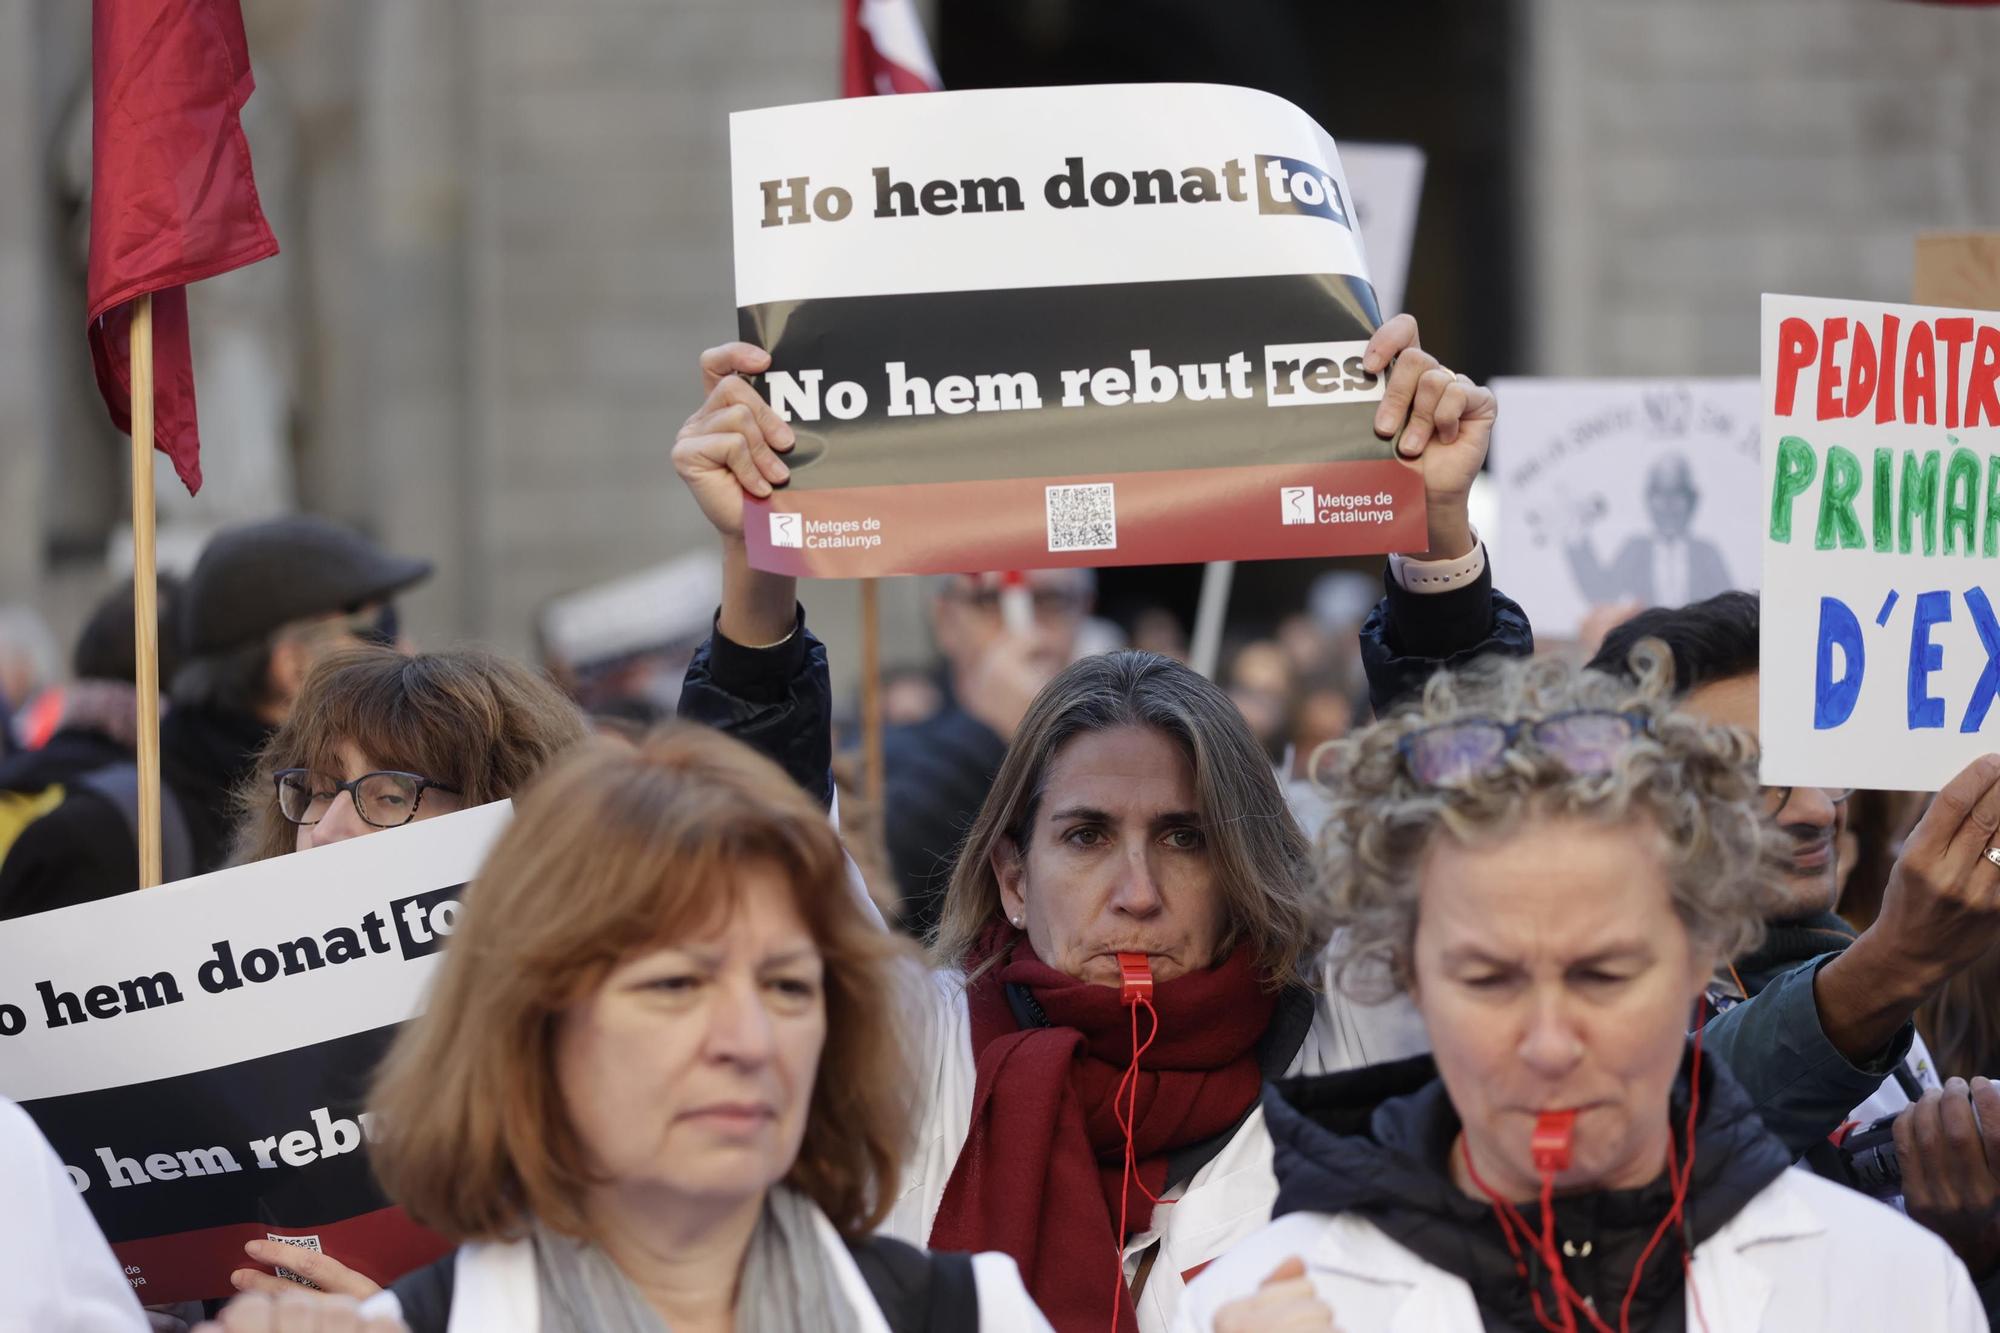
(1136, 993)
(1550, 1147)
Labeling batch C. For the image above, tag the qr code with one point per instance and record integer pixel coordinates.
(303, 1243)
(1083, 518)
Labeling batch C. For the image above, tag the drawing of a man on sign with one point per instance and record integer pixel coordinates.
(1668, 566)
(1626, 493)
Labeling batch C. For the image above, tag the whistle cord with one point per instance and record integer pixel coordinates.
(1680, 1175)
(1125, 1106)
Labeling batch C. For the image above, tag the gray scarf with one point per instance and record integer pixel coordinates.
(787, 1285)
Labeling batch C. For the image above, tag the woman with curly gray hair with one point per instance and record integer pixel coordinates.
(1552, 864)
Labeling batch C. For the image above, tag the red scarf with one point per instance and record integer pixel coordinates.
(1043, 1167)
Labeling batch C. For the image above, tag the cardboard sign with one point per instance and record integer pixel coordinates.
(1624, 491)
(1061, 326)
(1881, 456)
(197, 1054)
(1958, 269)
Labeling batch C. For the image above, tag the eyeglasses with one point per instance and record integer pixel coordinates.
(384, 800)
(1050, 603)
(1587, 740)
(1777, 798)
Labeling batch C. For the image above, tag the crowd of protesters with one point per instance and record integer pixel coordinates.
(1518, 1006)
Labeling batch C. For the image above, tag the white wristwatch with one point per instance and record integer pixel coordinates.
(1439, 575)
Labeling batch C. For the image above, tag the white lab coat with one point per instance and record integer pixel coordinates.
(1228, 1200)
(56, 1273)
(495, 1290)
(1804, 1256)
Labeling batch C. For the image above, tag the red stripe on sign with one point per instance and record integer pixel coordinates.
(1263, 512)
(195, 1265)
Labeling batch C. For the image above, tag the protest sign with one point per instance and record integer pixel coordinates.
(1637, 491)
(1958, 269)
(1388, 183)
(1021, 328)
(198, 1053)
(1881, 522)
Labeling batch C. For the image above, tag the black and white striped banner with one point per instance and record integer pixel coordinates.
(198, 1054)
(1049, 326)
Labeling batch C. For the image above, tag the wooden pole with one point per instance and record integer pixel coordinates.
(145, 594)
(871, 698)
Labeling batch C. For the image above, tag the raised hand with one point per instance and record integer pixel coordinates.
(1447, 425)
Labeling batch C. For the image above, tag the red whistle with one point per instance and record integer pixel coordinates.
(1136, 970)
(1550, 1145)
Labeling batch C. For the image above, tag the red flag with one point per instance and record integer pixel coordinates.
(885, 50)
(172, 196)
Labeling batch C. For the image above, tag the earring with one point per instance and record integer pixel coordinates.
(1017, 922)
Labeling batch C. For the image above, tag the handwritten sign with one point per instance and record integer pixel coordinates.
(1881, 457)
(1633, 491)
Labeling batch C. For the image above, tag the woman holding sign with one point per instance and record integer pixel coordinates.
(379, 739)
(1552, 865)
(1136, 845)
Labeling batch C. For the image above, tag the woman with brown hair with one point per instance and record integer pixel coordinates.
(406, 737)
(380, 738)
(679, 1101)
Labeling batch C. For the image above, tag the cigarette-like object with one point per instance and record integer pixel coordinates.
(1017, 604)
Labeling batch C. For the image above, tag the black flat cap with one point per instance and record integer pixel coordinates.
(253, 579)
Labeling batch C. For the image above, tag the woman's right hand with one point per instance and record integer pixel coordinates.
(298, 1312)
(731, 444)
(1285, 1303)
(323, 1271)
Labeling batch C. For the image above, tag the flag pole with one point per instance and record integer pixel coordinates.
(145, 594)
(871, 699)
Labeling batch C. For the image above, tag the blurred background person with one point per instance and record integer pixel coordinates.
(265, 603)
(96, 722)
(1259, 681)
(29, 663)
(1552, 865)
(1324, 709)
(937, 770)
(681, 1101)
(911, 695)
(1155, 629)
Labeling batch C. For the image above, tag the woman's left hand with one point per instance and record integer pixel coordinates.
(322, 1270)
(1447, 424)
(297, 1311)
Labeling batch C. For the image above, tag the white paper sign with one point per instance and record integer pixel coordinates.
(196, 1053)
(1640, 491)
(1388, 183)
(1881, 461)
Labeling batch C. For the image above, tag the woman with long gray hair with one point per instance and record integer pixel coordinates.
(1135, 842)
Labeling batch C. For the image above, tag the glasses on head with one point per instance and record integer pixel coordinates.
(1587, 740)
(1777, 798)
(384, 800)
